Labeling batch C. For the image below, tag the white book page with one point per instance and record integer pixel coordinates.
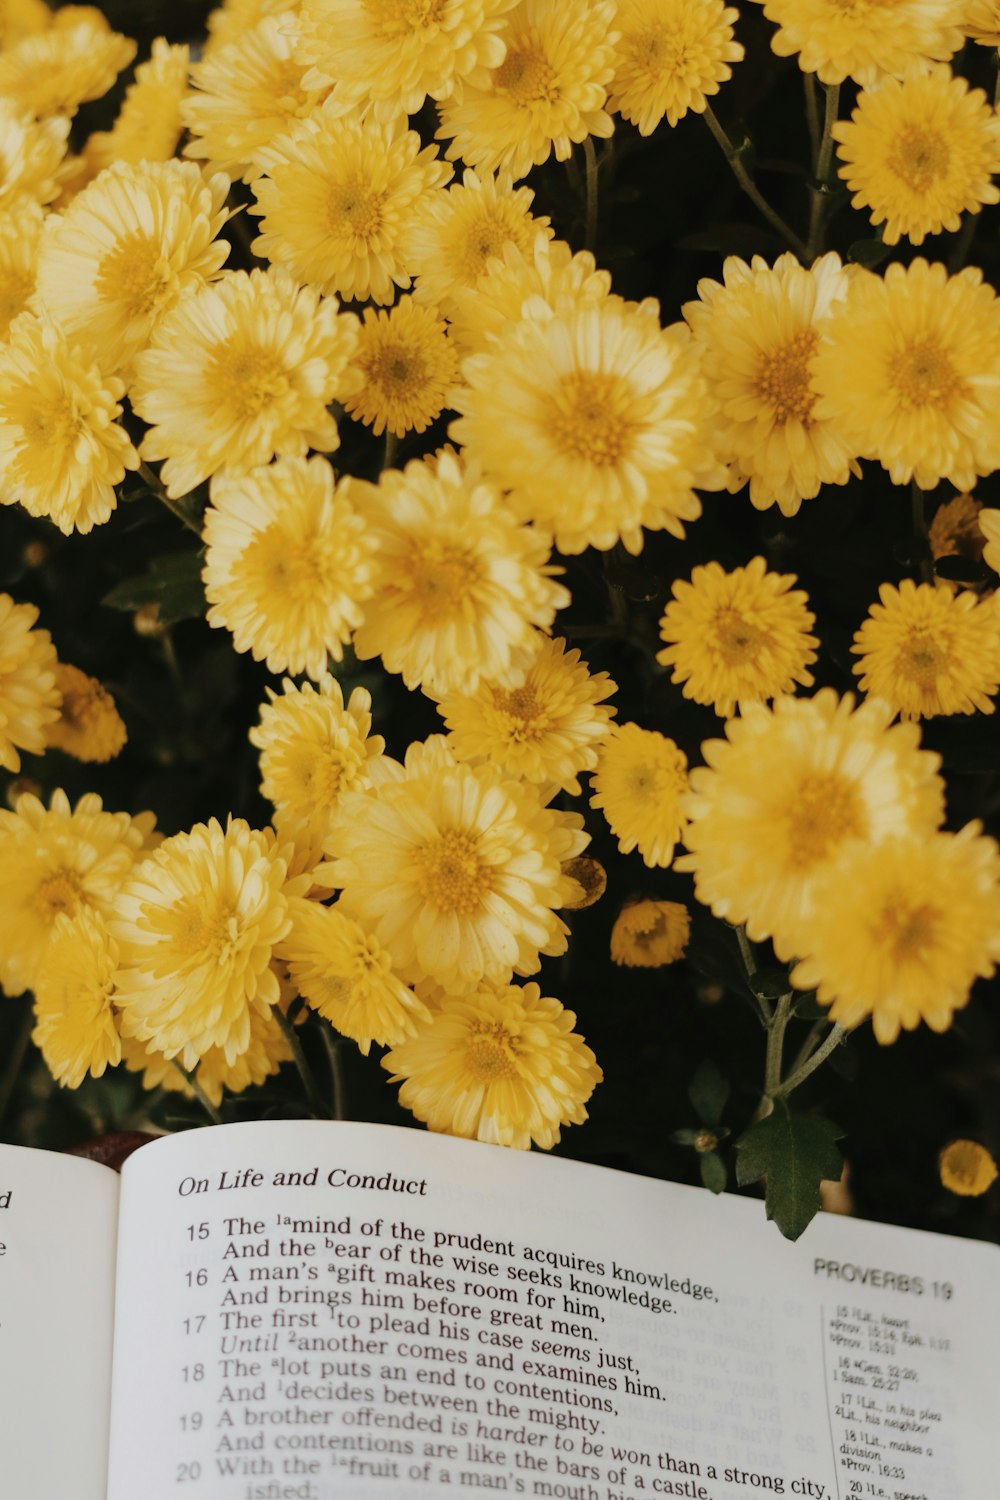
(58, 1219)
(309, 1311)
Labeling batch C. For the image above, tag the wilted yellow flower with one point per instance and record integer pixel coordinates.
(899, 932)
(512, 282)
(62, 450)
(408, 368)
(149, 123)
(928, 650)
(669, 56)
(20, 233)
(29, 697)
(288, 563)
(738, 637)
(241, 371)
(967, 1168)
(546, 728)
(338, 202)
(640, 778)
(74, 1017)
(865, 39)
(650, 934)
(32, 156)
(592, 878)
(500, 1064)
(955, 529)
(549, 91)
(55, 71)
(89, 726)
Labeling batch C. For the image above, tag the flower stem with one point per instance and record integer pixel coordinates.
(156, 487)
(332, 1044)
(775, 1046)
(199, 1093)
(750, 964)
(925, 558)
(15, 1057)
(746, 182)
(590, 161)
(812, 117)
(800, 1074)
(314, 1098)
(391, 446)
(820, 190)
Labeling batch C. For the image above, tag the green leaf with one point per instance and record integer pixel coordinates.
(708, 1092)
(868, 253)
(963, 569)
(173, 582)
(808, 1008)
(713, 1172)
(770, 984)
(795, 1153)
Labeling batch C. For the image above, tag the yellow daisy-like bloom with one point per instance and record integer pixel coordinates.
(967, 1168)
(502, 1065)
(20, 234)
(232, 18)
(127, 247)
(53, 860)
(900, 932)
(545, 729)
(929, 650)
(738, 637)
(54, 72)
(989, 525)
(909, 371)
(149, 123)
(461, 584)
(347, 977)
(393, 53)
(919, 152)
(61, 449)
(457, 870)
(29, 697)
(594, 418)
(267, 1050)
(288, 563)
(507, 290)
(196, 924)
(757, 332)
(21, 18)
(338, 202)
(314, 748)
(650, 934)
(787, 792)
(982, 22)
(458, 230)
(89, 726)
(408, 367)
(865, 39)
(74, 1017)
(639, 781)
(670, 55)
(246, 94)
(32, 156)
(241, 371)
(549, 92)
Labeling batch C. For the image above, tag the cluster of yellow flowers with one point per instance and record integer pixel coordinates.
(404, 900)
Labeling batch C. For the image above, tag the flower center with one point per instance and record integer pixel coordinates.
(909, 930)
(204, 930)
(737, 640)
(922, 659)
(823, 810)
(587, 416)
(483, 240)
(134, 274)
(59, 892)
(246, 378)
(526, 75)
(289, 571)
(452, 875)
(354, 206)
(923, 375)
(319, 773)
(919, 156)
(53, 424)
(491, 1053)
(524, 708)
(782, 379)
(441, 577)
(398, 370)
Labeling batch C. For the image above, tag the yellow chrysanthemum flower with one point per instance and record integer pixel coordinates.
(670, 55)
(966, 1167)
(507, 290)
(546, 728)
(314, 748)
(347, 977)
(393, 55)
(650, 934)
(21, 18)
(929, 650)
(595, 419)
(74, 1017)
(20, 234)
(502, 1065)
(267, 1049)
(408, 368)
(549, 92)
(456, 231)
(53, 860)
(246, 94)
(789, 789)
(457, 870)
(757, 332)
(241, 371)
(32, 156)
(909, 371)
(29, 697)
(89, 726)
(640, 778)
(196, 924)
(461, 584)
(919, 152)
(55, 71)
(899, 932)
(288, 563)
(149, 123)
(738, 637)
(865, 39)
(126, 249)
(62, 450)
(338, 203)
(989, 525)
(233, 17)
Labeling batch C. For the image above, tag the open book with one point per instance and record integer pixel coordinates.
(304, 1311)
